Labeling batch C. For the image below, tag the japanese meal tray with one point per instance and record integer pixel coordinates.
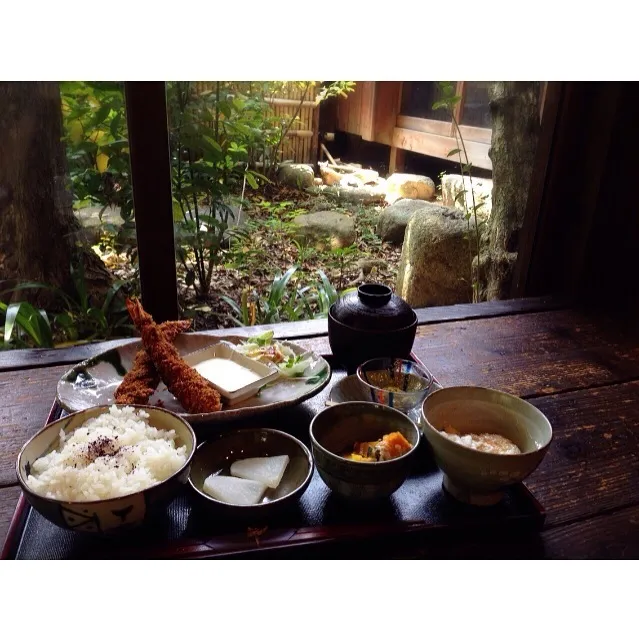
(417, 515)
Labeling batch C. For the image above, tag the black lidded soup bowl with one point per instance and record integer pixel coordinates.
(371, 322)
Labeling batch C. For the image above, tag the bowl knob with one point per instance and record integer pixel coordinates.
(374, 295)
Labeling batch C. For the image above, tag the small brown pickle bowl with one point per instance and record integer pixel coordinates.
(216, 456)
(335, 430)
(106, 516)
(476, 477)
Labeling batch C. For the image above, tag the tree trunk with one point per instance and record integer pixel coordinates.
(38, 230)
(515, 114)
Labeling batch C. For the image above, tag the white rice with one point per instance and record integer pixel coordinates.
(114, 454)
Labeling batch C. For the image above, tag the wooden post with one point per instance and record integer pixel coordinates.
(459, 107)
(315, 143)
(147, 121)
(397, 159)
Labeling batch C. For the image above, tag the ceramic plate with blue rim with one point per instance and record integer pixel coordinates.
(94, 381)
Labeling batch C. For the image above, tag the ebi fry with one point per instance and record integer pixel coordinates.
(191, 389)
(140, 382)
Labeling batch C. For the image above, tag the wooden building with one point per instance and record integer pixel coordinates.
(400, 115)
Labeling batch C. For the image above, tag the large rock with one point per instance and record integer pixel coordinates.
(326, 228)
(92, 226)
(393, 220)
(298, 176)
(453, 185)
(353, 195)
(434, 267)
(408, 186)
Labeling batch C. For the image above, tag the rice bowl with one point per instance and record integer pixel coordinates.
(84, 479)
(112, 455)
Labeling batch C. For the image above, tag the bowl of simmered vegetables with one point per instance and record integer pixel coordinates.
(363, 451)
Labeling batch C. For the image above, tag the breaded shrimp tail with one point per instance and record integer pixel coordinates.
(191, 389)
(141, 381)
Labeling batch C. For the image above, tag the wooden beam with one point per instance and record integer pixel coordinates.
(299, 133)
(439, 146)
(146, 114)
(306, 104)
(438, 127)
(387, 97)
(472, 133)
(476, 134)
(367, 110)
(570, 204)
(554, 95)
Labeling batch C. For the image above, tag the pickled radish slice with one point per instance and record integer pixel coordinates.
(266, 470)
(233, 490)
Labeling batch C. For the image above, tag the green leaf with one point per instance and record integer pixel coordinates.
(112, 292)
(233, 304)
(440, 104)
(116, 145)
(251, 180)
(31, 320)
(101, 115)
(115, 125)
(212, 143)
(11, 313)
(453, 152)
(98, 316)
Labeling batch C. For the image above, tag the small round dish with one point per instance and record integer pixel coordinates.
(334, 431)
(394, 382)
(350, 389)
(216, 456)
(105, 516)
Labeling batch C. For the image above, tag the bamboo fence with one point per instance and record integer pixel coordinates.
(301, 141)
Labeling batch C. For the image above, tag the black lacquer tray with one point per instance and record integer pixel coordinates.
(418, 514)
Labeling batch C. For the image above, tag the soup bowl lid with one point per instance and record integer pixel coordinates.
(373, 307)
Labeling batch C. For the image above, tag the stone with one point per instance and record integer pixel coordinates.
(329, 176)
(393, 220)
(326, 229)
(237, 219)
(409, 186)
(353, 195)
(91, 225)
(434, 266)
(453, 185)
(298, 176)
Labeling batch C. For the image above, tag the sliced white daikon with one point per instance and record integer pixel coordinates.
(233, 490)
(267, 470)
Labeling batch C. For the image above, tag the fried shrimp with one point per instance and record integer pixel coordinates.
(140, 382)
(191, 389)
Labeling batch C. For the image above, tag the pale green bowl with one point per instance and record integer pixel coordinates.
(476, 477)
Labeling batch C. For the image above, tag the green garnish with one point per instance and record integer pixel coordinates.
(263, 339)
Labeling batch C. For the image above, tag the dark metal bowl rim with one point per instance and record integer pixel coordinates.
(369, 406)
(246, 431)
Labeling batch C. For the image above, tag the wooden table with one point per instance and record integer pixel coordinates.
(580, 368)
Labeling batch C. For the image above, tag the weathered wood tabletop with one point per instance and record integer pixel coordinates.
(581, 369)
